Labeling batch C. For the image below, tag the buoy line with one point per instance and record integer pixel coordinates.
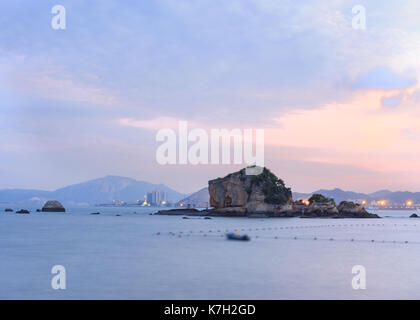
(220, 230)
(305, 238)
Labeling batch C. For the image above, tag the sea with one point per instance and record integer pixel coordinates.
(126, 253)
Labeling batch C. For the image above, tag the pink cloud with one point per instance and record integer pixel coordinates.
(359, 133)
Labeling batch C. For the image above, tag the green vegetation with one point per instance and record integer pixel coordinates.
(274, 188)
(319, 198)
(349, 204)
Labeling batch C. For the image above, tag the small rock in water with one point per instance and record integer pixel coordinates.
(414, 216)
(22, 211)
(95, 213)
(53, 206)
(8, 210)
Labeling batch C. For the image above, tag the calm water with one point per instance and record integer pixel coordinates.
(123, 257)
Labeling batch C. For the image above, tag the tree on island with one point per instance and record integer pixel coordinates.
(319, 198)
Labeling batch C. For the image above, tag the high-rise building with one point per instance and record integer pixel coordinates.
(158, 197)
(149, 198)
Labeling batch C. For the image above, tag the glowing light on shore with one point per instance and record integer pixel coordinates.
(409, 203)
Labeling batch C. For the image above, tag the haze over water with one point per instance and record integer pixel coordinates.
(122, 257)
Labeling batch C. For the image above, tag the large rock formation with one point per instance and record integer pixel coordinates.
(299, 207)
(320, 206)
(53, 206)
(350, 209)
(239, 194)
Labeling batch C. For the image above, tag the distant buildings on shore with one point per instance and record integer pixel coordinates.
(389, 205)
(156, 198)
(382, 204)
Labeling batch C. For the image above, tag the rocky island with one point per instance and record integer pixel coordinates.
(265, 195)
(53, 206)
(239, 194)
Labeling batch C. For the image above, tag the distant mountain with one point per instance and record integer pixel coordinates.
(103, 190)
(201, 198)
(381, 193)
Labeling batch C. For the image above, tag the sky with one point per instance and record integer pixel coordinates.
(339, 105)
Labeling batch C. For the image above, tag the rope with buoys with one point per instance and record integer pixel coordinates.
(314, 238)
(295, 227)
(219, 233)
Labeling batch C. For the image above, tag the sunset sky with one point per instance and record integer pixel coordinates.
(340, 107)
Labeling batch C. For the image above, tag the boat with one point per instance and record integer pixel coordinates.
(236, 236)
